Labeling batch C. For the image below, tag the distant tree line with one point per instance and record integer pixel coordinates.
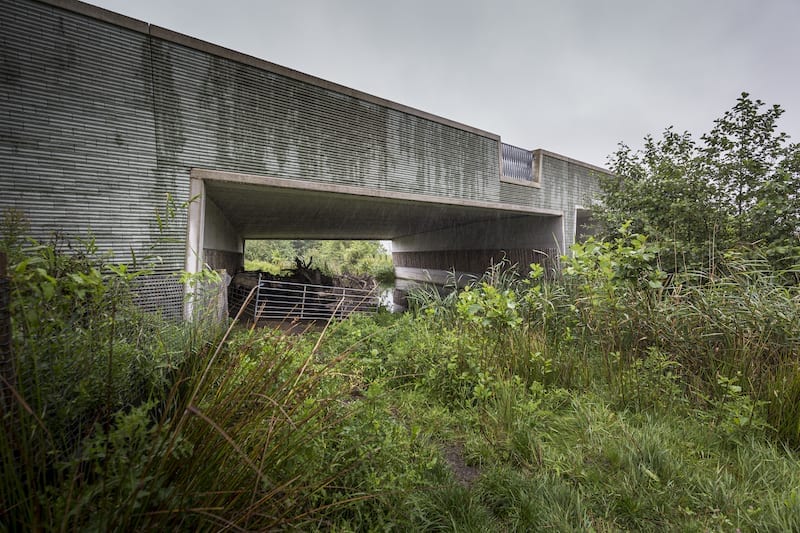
(332, 257)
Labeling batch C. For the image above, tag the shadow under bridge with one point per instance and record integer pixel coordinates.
(431, 236)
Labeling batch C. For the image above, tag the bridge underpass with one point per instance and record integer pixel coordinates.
(430, 236)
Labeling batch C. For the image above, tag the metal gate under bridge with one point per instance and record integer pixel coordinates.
(281, 300)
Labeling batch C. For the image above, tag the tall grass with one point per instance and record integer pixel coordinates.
(739, 324)
(544, 456)
(121, 421)
(614, 317)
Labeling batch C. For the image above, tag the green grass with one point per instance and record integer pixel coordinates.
(596, 402)
(553, 458)
(573, 426)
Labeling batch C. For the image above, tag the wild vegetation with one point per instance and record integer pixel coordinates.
(651, 384)
(332, 257)
(737, 188)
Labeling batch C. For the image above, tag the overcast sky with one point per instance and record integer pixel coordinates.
(571, 76)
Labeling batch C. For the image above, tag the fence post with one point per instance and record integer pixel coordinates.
(7, 372)
(303, 303)
(258, 293)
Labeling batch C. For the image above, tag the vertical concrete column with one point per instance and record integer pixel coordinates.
(194, 238)
(196, 225)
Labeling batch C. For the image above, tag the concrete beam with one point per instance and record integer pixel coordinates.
(302, 185)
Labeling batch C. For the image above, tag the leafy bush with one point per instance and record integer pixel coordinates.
(654, 340)
(80, 343)
(740, 319)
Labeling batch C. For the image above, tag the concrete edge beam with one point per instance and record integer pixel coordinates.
(98, 13)
(266, 181)
(539, 152)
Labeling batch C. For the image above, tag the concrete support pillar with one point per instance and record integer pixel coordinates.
(212, 241)
(223, 246)
(196, 223)
(194, 240)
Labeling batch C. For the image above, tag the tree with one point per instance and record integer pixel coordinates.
(273, 251)
(738, 186)
(333, 257)
(756, 173)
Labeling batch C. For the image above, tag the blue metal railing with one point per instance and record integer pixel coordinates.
(517, 163)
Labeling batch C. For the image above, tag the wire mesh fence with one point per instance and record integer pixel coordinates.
(7, 372)
(159, 293)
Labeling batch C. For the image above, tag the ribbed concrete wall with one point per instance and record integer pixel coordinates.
(237, 117)
(566, 184)
(77, 148)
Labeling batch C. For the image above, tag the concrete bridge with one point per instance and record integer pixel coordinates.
(104, 118)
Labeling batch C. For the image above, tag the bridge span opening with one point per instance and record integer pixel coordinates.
(431, 236)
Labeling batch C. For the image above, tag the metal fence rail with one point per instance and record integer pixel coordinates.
(517, 163)
(279, 300)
